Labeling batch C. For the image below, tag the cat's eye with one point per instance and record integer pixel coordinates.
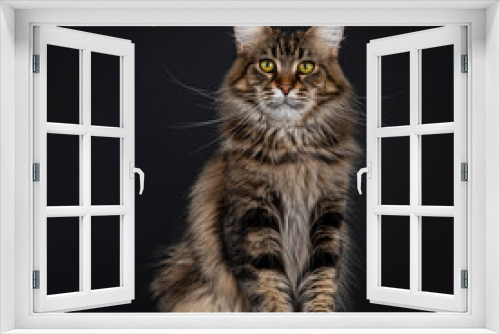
(305, 67)
(267, 65)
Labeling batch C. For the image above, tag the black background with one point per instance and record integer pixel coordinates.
(177, 71)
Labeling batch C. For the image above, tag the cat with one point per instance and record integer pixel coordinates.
(266, 228)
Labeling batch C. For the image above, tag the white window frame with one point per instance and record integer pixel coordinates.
(16, 125)
(413, 44)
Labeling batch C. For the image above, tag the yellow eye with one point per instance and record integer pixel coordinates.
(267, 65)
(306, 67)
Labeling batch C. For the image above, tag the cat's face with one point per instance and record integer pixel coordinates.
(286, 78)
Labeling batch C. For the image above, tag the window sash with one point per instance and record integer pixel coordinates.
(86, 297)
(413, 43)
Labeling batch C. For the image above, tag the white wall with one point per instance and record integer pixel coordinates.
(492, 163)
(7, 165)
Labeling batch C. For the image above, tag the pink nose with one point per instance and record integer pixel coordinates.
(285, 88)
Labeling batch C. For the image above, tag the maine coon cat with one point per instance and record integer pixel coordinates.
(266, 225)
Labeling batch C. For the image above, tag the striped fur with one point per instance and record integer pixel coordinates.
(266, 226)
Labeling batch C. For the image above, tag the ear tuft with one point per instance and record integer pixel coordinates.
(329, 35)
(247, 36)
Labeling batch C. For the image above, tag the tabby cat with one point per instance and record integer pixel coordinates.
(266, 226)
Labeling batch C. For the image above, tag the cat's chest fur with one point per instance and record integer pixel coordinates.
(299, 190)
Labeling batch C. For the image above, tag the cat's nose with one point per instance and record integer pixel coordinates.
(285, 88)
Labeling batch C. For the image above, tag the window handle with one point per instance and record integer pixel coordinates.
(141, 176)
(368, 171)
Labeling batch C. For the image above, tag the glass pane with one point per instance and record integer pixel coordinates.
(395, 241)
(395, 163)
(105, 171)
(63, 255)
(63, 85)
(63, 170)
(395, 82)
(437, 84)
(437, 254)
(105, 252)
(105, 89)
(437, 169)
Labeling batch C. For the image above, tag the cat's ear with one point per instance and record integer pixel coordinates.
(329, 36)
(248, 36)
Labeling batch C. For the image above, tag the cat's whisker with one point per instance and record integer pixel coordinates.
(212, 106)
(219, 120)
(244, 121)
(190, 125)
(221, 137)
(218, 139)
(205, 93)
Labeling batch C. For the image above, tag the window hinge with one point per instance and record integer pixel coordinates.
(464, 171)
(36, 279)
(36, 63)
(464, 279)
(465, 64)
(36, 172)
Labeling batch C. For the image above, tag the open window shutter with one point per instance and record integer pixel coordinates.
(402, 146)
(73, 226)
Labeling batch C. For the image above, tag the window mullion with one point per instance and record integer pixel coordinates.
(85, 274)
(81, 229)
(85, 164)
(82, 219)
(414, 171)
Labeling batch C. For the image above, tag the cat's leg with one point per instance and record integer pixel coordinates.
(318, 288)
(252, 249)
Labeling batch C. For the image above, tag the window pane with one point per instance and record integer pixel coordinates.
(105, 171)
(63, 170)
(437, 170)
(437, 84)
(105, 252)
(105, 89)
(395, 161)
(63, 85)
(63, 255)
(437, 254)
(395, 82)
(395, 241)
